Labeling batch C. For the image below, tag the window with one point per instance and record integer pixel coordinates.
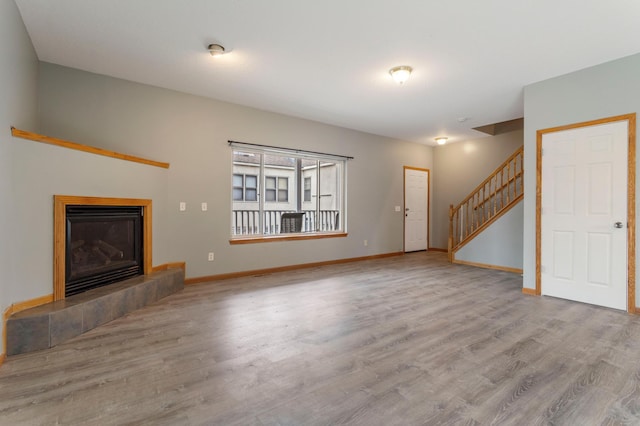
(267, 184)
(245, 187)
(276, 189)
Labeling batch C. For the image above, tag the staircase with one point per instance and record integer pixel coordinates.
(491, 199)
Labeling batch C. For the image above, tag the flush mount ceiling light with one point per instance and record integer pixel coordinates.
(216, 50)
(401, 74)
(441, 141)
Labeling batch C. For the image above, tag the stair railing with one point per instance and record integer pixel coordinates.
(490, 200)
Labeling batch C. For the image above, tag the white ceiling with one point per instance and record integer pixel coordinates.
(328, 60)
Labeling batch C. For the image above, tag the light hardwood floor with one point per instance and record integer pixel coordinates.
(405, 340)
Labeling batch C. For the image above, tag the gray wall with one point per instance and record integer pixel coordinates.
(18, 79)
(459, 168)
(602, 91)
(498, 245)
(41, 171)
(191, 133)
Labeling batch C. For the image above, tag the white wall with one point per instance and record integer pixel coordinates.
(602, 91)
(18, 80)
(459, 168)
(191, 133)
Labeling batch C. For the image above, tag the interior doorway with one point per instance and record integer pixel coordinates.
(585, 212)
(416, 209)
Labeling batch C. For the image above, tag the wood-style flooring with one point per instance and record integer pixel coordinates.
(407, 340)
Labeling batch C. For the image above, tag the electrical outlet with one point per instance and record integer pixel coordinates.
(204, 207)
(366, 243)
(211, 257)
(183, 206)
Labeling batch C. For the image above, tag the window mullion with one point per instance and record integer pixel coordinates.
(261, 194)
(298, 184)
(244, 187)
(317, 224)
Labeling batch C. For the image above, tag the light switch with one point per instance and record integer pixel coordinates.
(183, 206)
(397, 208)
(204, 207)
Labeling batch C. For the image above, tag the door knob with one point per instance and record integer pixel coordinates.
(617, 225)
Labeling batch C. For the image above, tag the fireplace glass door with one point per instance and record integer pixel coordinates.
(103, 246)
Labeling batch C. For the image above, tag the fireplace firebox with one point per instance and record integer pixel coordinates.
(104, 244)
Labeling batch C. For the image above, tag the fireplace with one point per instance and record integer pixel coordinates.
(99, 241)
(103, 245)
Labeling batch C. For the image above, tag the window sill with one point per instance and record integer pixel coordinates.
(291, 237)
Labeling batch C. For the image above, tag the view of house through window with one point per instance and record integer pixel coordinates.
(245, 187)
(275, 193)
(277, 189)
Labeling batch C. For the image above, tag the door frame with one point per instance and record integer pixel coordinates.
(631, 200)
(404, 204)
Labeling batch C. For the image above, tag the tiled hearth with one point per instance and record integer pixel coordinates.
(48, 325)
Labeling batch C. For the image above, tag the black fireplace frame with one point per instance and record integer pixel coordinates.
(76, 214)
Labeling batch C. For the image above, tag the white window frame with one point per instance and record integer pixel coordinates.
(326, 228)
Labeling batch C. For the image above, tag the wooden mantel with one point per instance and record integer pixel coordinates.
(23, 134)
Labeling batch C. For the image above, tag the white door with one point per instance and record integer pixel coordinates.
(584, 214)
(416, 209)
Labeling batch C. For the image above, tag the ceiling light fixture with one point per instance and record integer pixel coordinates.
(216, 50)
(441, 141)
(401, 74)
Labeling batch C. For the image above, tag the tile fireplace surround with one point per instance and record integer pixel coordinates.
(47, 325)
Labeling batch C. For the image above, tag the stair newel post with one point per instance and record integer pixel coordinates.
(515, 174)
(515, 177)
(505, 184)
(499, 191)
(472, 212)
(520, 160)
(469, 223)
(495, 194)
(476, 222)
(482, 195)
(478, 211)
(451, 233)
(486, 206)
(516, 166)
(508, 181)
(484, 203)
(467, 217)
(457, 224)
